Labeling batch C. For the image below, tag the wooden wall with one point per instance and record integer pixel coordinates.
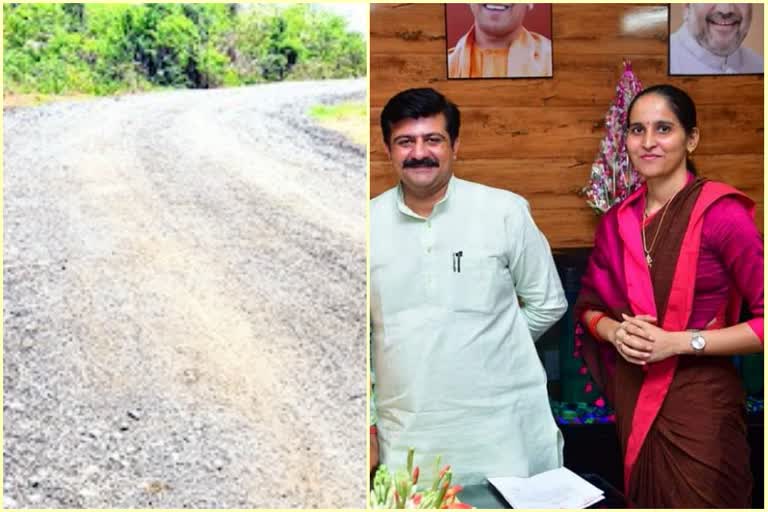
(539, 137)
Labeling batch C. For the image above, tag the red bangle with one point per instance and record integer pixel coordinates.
(374, 431)
(592, 325)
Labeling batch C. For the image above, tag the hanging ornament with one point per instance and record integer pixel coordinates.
(612, 177)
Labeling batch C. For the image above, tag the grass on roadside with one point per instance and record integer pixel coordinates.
(12, 99)
(349, 119)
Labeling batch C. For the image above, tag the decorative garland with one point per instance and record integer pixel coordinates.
(613, 178)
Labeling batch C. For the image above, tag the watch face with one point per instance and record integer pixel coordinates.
(697, 342)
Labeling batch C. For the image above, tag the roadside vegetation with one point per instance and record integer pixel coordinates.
(348, 118)
(100, 49)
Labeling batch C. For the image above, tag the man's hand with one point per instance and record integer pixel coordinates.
(374, 450)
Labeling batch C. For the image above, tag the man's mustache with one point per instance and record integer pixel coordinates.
(727, 17)
(420, 162)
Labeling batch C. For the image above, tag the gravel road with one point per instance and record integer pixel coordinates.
(184, 286)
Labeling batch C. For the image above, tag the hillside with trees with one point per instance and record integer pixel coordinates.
(109, 48)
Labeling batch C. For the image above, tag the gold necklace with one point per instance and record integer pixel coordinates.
(647, 249)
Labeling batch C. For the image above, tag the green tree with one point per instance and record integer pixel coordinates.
(103, 48)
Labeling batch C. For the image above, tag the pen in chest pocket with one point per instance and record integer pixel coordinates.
(457, 261)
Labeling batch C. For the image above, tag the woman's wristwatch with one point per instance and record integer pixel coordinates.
(698, 342)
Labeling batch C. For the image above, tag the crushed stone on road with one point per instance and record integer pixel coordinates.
(184, 317)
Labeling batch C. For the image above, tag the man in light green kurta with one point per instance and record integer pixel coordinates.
(462, 283)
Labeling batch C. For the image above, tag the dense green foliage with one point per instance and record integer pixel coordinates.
(104, 48)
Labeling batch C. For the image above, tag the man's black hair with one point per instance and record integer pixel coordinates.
(416, 103)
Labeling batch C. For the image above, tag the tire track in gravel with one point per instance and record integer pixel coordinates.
(204, 257)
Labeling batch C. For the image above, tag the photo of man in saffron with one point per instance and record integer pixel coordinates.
(499, 40)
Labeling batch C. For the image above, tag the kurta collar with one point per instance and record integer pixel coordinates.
(732, 61)
(467, 42)
(405, 209)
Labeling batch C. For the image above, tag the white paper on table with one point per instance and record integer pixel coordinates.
(557, 488)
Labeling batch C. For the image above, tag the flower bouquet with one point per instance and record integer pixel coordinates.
(401, 489)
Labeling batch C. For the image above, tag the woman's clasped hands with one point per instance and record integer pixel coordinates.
(640, 341)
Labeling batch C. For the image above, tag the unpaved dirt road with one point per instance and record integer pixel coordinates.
(184, 286)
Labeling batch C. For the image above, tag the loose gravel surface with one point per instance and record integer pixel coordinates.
(184, 286)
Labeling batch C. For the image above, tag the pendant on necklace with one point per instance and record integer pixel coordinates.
(649, 260)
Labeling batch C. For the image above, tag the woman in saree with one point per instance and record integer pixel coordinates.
(671, 267)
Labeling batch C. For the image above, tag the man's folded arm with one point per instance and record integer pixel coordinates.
(534, 273)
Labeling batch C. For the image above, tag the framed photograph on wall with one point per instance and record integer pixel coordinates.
(715, 39)
(498, 40)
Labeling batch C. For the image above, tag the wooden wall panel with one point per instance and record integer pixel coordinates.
(539, 137)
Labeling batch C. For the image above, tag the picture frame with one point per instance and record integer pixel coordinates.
(715, 39)
(476, 35)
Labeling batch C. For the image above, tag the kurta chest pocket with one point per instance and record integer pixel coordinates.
(473, 282)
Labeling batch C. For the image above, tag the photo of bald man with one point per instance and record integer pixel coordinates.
(715, 39)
